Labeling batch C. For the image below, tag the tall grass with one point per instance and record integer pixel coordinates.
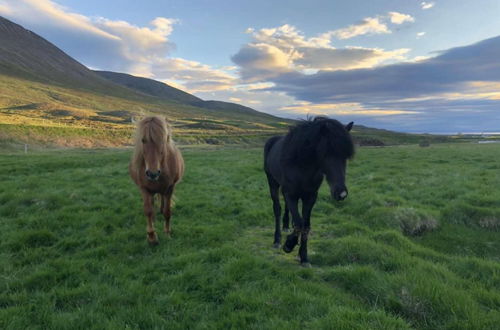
(74, 253)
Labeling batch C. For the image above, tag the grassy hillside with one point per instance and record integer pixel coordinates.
(416, 245)
(80, 117)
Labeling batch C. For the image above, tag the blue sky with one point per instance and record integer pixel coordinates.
(404, 65)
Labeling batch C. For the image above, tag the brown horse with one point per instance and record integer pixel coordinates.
(156, 167)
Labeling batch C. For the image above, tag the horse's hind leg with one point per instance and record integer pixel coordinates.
(274, 190)
(166, 210)
(149, 213)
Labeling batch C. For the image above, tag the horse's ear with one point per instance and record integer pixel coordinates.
(348, 127)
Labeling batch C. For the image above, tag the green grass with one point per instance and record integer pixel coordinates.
(73, 251)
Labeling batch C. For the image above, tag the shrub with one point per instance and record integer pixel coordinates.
(489, 223)
(413, 222)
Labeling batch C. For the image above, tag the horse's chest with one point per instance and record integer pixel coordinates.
(156, 187)
(307, 182)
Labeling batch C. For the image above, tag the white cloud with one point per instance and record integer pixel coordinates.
(46, 12)
(275, 51)
(399, 18)
(194, 76)
(340, 109)
(369, 25)
(420, 35)
(5, 10)
(427, 5)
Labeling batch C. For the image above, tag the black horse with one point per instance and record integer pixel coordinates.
(298, 162)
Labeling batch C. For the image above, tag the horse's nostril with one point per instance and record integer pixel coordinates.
(153, 175)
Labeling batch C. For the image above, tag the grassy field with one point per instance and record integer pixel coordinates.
(416, 245)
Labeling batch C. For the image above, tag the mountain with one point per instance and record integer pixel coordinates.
(150, 87)
(161, 90)
(50, 97)
(26, 54)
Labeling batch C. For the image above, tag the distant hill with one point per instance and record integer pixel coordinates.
(150, 87)
(164, 91)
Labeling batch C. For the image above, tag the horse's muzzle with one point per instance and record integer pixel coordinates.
(153, 175)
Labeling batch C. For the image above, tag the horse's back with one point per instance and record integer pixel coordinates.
(272, 152)
(270, 143)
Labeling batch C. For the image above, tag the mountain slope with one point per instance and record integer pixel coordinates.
(25, 54)
(164, 91)
(150, 87)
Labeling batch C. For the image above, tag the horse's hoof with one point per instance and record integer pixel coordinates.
(287, 249)
(306, 264)
(276, 245)
(291, 242)
(286, 230)
(153, 239)
(153, 243)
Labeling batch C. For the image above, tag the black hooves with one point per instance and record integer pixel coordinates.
(291, 242)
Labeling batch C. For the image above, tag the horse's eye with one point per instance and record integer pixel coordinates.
(143, 140)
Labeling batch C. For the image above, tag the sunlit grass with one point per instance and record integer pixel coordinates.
(73, 251)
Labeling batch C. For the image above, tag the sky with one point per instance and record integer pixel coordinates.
(404, 65)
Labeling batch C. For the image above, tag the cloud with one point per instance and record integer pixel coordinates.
(5, 10)
(398, 18)
(259, 61)
(340, 109)
(116, 45)
(369, 25)
(427, 5)
(194, 76)
(420, 35)
(273, 52)
(460, 80)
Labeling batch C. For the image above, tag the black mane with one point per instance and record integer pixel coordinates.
(314, 138)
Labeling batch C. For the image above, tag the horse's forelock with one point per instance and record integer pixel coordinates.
(329, 135)
(153, 129)
(339, 139)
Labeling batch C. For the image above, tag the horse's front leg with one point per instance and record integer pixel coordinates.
(150, 215)
(307, 206)
(293, 239)
(166, 210)
(286, 218)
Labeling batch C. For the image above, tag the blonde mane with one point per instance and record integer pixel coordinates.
(153, 129)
